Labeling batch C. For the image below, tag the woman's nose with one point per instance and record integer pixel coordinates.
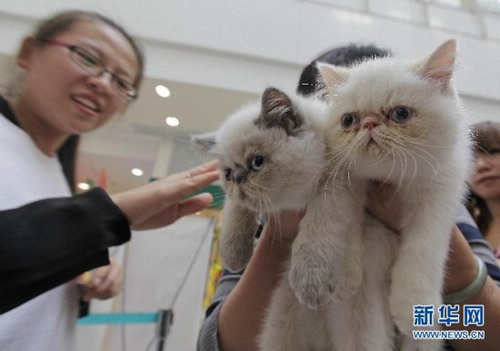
(101, 82)
(483, 162)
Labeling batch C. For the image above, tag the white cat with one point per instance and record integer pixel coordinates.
(403, 124)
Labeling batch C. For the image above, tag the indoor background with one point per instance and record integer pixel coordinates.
(214, 56)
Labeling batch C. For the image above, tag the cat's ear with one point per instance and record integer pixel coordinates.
(278, 111)
(332, 76)
(206, 142)
(439, 66)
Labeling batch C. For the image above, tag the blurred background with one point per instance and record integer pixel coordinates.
(209, 57)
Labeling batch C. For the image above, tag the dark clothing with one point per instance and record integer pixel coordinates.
(49, 242)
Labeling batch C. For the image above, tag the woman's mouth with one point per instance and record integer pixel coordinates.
(484, 180)
(86, 103)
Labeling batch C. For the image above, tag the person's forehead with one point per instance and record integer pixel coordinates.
(111, 44)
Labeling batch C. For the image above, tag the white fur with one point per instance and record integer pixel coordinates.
(427, 158)
(362, 322)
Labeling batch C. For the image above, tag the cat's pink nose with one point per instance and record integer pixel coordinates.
(370, 122)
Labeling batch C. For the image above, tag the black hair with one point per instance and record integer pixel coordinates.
(345, 56)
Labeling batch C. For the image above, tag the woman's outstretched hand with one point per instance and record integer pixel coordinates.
(162, 202)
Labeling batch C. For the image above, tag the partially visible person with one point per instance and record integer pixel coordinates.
(79, 70)
(345, 56)
(484, 200)
(234, 318)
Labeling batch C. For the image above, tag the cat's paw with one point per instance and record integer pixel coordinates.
(349, 285)
(402, 311)
(312, 283)
(235, 257)
(402, 303)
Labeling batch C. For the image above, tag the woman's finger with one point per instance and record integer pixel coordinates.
(182, 188)
(201, 169)
(195, 204)
(170, 214)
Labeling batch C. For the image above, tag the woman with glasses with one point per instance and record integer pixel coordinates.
(79, 70)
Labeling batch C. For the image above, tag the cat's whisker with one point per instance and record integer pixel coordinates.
(401, 156)
(339, 158)
(393, 167)
(436, 161)
(429, 163)
(349, 166)
(415, 169)
(434, 146)
(338, 168)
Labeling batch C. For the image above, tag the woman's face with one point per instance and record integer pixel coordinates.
(485, 181)
(62, 94)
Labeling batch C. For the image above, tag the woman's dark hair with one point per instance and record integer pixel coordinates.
(345, 56)
(57, 24)
(487, 139)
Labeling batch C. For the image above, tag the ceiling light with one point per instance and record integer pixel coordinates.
(162, 91)
(83, 186)
(172, 121)
(137, 172)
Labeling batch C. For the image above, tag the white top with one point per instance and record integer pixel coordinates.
(47, 322)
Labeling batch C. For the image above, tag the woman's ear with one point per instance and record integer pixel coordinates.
(25, 52)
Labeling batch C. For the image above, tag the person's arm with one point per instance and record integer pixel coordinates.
(49, 242)
(208, 338)
(36, 254)
(242, 313)
(482, 249)
(461, 271)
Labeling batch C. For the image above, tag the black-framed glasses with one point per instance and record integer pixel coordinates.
(94, 66)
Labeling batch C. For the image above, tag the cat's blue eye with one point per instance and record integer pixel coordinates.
(227, 174)
(400, 114)
(348, 120)
(257, 163)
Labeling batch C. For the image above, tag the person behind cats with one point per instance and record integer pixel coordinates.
(485, 194)
(234, 318)
(79, 70)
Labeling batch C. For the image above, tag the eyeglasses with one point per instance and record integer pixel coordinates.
(93, 66)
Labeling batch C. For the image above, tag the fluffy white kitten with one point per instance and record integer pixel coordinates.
(403, 124)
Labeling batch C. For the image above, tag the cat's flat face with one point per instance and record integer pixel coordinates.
(392, 117)
(380, 109)
(270, 155)
(259, 167)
